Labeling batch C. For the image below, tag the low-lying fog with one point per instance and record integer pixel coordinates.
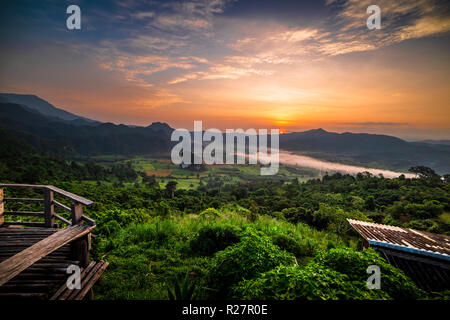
(289, 158)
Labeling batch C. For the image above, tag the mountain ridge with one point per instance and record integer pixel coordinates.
(50, 133)
(36, 103)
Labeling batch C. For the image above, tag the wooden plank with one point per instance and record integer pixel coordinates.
(6, 232)
(64, 220)
(49, 208)
(2, 207)
(64, 291)
(76, 213)
(71, 196)
(23, 200)
(61, 206)
(64, 193)
(27, 287)
(16, 295)
(21, 247)
(19, 262)
(24, 213)
(95, 275)
(27, 224)
(88, 220)
(89, 277)
(21, 185)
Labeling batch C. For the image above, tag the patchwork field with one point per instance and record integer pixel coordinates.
(159, 173)
(164, 171)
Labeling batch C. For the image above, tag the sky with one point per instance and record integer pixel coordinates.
(292, 65)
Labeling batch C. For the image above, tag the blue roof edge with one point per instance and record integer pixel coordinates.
(442, 256)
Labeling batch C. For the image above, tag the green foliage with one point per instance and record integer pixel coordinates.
(297, 247)
(354, 264)
(151, 235)
(335, 219)
(210, 212)
(182, 291)
(211, 239)
(313, 282)
(254, 254)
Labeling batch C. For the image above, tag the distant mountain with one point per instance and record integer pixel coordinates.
(35, 103)
(445, 142)
(349, 143)
(50, 134)
(161, 126)
(50, 129)
(367, 149)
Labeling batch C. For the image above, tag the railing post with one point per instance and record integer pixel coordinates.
(2, 207)
(77, 213)
(49, 209)
(80, 247)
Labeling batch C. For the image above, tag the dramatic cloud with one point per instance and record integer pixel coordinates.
(283, 63)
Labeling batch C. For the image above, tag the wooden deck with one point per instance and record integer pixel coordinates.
(35, 256)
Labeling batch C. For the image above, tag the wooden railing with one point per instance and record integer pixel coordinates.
(49, 215)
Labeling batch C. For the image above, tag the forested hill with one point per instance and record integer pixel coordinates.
(53, 135)
(368, 149)
(35, 103)
(54, 130)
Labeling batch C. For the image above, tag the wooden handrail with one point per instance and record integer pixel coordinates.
(76, 209)
(59, 191)
(23, 213)
(22, 200)
(61, 206)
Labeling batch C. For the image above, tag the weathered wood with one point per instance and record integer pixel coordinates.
(26, 287)
(34, 231)
(63, 292)
(62, 206)
(24, 213)
(49, 208)
(89, 221)
(90, 281)
(21, 185)
(80, 247)
(27, 224)
(19, 262)
(21, 247)
(34, 261)
(79, 250)
(16, 295)
(64, 220)
(2, 207)
(89, 276)
(71, 196)
(59, 191)
(23, 200)
(77, 213)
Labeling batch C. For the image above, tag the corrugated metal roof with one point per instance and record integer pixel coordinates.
(414, 241)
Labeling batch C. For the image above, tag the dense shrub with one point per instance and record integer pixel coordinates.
(314, 282)
(354, 264)
(109, 228)
(290, 244)
(159, 231)
(211, 239)
(123, 217)
(210, 212)
(254, 254)
(296, 215)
